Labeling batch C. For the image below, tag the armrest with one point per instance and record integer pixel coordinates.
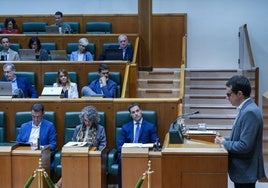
(57, 161)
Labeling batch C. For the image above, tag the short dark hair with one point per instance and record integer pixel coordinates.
(103, 67)
(132, 105)
(239, 83)
(59, 13)
(38, 107)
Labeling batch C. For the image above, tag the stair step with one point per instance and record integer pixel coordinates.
(158, 93)
(156, 83)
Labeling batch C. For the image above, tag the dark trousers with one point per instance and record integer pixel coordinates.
(244, 185)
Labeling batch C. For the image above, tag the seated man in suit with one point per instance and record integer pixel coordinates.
(126, 50)
(63, 27)
(21, 87)
(38, 128)
(103, 85)
(136, 131)
(7, 54)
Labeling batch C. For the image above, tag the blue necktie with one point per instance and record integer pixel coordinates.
(137, 133)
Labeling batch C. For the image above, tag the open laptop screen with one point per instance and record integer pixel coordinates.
(27, 54)
(5, 88)
(113, 54)
(58, 55)
(52, 29)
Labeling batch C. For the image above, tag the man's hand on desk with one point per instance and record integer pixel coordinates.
(219, 139)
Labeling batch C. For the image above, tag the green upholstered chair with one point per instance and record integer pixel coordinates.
(71, 120)
(2, 126)
(34, 27)
(2, 25)
(25, 116)
(51, 77)
(73, 46)
(111, 45)
(15, 46)
(49, 46)
(75, 26)
(115, 76)
(98, 27)
(29, 75)
(121, 118)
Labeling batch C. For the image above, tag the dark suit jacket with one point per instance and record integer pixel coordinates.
(47, 134)
(148, 134)
(128, 54)
(109, 90)
(245, 145)
(25, 85)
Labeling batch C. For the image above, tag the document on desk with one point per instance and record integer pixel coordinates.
(80, 144)
(138, 145)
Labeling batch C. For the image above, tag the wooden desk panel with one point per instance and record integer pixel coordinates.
(25, 161)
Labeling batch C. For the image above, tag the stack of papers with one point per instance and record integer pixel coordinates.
(138, 145)
(76, 144)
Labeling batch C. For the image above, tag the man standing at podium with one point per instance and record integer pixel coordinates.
(136, 131)
(244, 145)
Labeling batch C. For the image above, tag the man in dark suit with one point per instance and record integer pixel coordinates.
(20, 85)
(136, 131)
(127, 51)
(244, 145)
(38, 128)
(103, 85)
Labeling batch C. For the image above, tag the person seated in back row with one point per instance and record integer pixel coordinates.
(81, 54)
(40, 54)
(63, 27)
(126, 49)
(7, 54)
(103, 85)
(10, 27)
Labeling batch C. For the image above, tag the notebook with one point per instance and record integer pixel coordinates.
(51, 91)
(52, 29)
(58, 55)
(27, 54)
(113, 54)
(6, 89)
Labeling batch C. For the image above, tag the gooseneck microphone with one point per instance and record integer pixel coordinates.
(185, 116)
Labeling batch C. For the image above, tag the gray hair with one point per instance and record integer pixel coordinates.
(11, 65)
(91, 113)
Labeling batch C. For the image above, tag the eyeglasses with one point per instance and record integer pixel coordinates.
(229, 94)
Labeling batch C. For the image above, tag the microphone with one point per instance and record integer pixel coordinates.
(185, 116)
(18, 93)
(38, 144)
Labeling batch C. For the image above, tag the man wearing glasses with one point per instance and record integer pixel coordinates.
(101, 86)
(244, 145)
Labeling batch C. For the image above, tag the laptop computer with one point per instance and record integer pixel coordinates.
(27, 54)
(113, 54)
(5, 89)
(57, 55)
(52, 29)
(51, 91)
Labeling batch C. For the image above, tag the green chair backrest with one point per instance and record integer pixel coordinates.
(2, 25)
(75, 26)
(115, 76)
(98, 27)
(29, 75)
(71, 120)
(25, 116)
(2, 126)
(123, 117)
(51, 77)
(34, 27)
(49, 46)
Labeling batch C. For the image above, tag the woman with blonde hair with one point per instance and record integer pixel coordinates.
(69, 89)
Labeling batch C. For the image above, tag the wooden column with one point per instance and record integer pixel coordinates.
(145, 33)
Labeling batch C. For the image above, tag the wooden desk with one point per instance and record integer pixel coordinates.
(5, 163)
(194, 164)
(83, 167)
(25, 161)
(135, 163)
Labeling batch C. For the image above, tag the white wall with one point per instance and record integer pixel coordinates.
(212, 25)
